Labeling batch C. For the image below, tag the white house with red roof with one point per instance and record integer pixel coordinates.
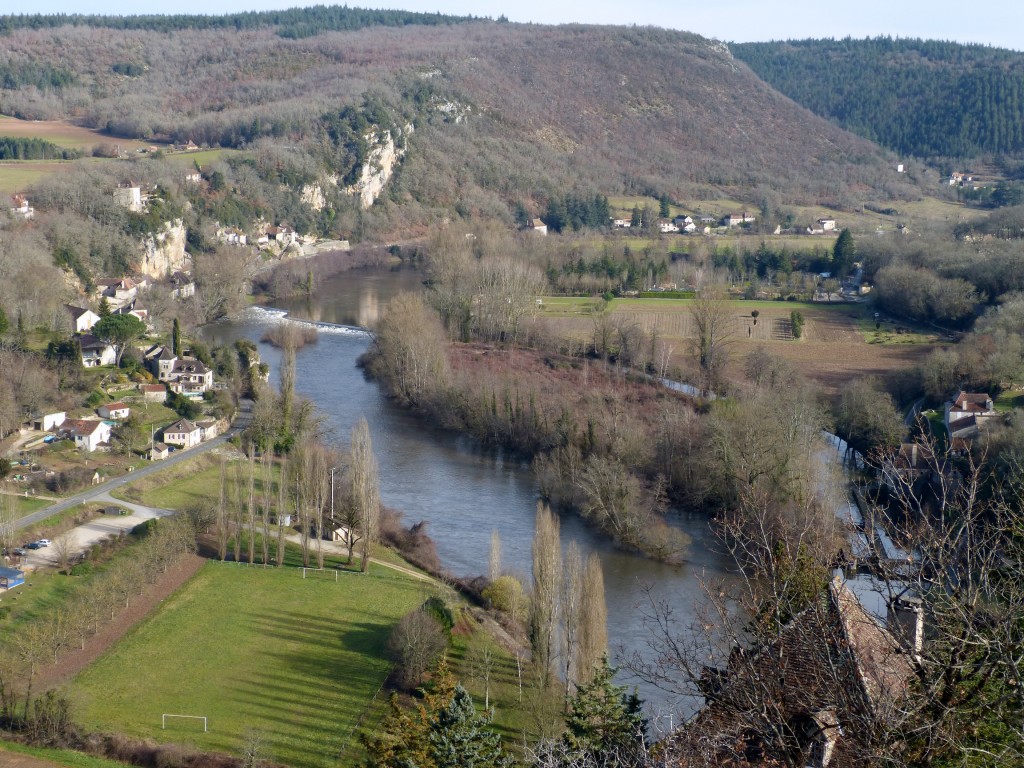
(88, 434)
(115, 411)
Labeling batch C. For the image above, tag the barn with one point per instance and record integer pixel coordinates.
(11, 578)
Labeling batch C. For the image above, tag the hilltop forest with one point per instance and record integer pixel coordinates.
(924, 98)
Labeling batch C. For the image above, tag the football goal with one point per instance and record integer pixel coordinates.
(163, 723)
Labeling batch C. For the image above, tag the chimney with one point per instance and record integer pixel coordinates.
(906, 622)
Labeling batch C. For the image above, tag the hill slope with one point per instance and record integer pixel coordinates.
(611, 110)
(923, 98)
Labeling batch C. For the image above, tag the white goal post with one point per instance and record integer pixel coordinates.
(319, 571)
(188, 717)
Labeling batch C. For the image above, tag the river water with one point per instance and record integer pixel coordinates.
(462, 489)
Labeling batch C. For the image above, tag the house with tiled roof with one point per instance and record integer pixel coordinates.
(88, 434)
(183, 434)
(21, 208)
(966, 414)
(114, 411)
(182, 375)
(96, 352)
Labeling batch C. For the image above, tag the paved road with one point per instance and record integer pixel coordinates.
(94, 493)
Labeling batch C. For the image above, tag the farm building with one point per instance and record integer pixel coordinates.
(11, 578)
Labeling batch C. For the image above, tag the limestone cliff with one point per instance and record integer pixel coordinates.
(379, 166)
(163, 252)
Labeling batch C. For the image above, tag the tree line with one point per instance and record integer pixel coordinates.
(294, 22)
(34, 149)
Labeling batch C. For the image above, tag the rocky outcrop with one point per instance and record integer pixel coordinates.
(379, 166)
(313, 196)
(164, 252)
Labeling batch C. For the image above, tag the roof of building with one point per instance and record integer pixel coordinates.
(118, 406)
(972, 401)
(181, 425)
(76, 312)
(82, 426)
(153, 388)
(190, 365)
(89, 342)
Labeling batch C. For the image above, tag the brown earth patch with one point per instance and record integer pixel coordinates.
(75, 660)
(18, 760)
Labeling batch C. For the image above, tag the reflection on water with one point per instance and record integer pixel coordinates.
(462, 489)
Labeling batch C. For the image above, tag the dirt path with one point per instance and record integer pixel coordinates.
(17, 760)
(77, 659)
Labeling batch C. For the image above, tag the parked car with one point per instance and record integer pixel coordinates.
(20, 551)
(43, 542)
(33, 545)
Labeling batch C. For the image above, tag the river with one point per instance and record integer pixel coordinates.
(462, 489)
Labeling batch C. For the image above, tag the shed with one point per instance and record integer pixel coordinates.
(11, 578)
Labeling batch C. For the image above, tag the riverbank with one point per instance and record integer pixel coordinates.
(595, 433)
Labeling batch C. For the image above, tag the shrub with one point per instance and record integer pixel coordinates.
(437, 608)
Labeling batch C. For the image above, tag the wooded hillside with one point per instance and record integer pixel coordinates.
(924, 98)
(504, 113)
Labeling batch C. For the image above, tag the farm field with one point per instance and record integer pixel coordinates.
(834, 347)
(296, 659)
(63, 134)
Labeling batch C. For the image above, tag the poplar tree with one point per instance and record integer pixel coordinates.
(547, 567)
(365, 486)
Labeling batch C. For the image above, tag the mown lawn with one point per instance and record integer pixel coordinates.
(1009, 400)
(252, 648)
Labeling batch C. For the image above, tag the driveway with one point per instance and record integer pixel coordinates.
(104, 526)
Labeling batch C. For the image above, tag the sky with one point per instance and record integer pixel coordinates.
(991, 22)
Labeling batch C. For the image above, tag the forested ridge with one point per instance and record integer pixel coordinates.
(291, 23)
(924, 98)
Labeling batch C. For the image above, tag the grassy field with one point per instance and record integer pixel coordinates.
(298, 660)
(176, 488)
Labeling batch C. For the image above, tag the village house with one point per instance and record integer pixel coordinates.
(538, 226)
(88, 434)
(119, 290)
(135, 309)
(232, 236)
(129, 195)
(190, 378)
(182, 375)
(827, 225)
(153, 393)
(95, 352)
(966, 414)
(622, 223)
(193, 177)
(958, 179)
(208, 429)
(282, 235)
(665, 226)
(157, 452)
(48, 421)
(21, 207)
(82, 319)
(738, 219)
(182, 285)
(707, 219)
(115, 411)
(183, 434)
